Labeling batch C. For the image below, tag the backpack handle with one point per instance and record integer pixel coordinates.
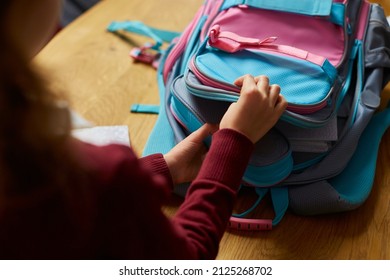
(280, 201)
(250, 224)
(232, 42)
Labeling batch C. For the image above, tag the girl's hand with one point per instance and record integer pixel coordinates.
(185, 159)
(258, 108)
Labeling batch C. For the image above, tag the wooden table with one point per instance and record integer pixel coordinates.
(102, 82)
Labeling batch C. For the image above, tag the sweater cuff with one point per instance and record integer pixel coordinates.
(227, 158)
(158, 166)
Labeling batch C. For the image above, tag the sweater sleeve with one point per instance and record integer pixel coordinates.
(132, 224)
(157, 166)
(203, 216)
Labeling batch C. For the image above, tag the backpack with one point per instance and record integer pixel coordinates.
(331, 59)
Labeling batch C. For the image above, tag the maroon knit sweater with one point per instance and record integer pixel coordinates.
(122, 217)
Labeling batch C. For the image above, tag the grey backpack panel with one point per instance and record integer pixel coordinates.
(320, 196)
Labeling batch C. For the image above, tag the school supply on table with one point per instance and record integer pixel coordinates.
(104, 135)
(97, 135)
(331, 60)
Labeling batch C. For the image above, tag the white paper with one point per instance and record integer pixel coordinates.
(104, 135)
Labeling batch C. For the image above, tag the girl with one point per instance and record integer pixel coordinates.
(64, 199)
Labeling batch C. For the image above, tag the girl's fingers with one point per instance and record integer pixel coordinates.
(238, 82)
(260, 84)
(281, 103)
(203, 132)
(243, 80)
(263, 84)
(274, 92)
